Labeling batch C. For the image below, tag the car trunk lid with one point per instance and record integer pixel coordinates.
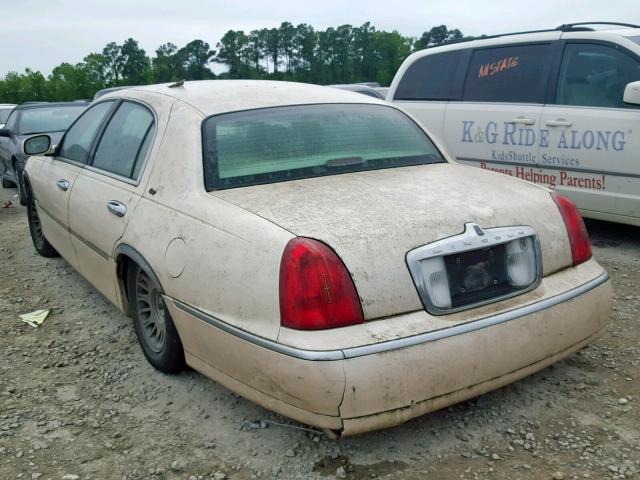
(373, 218)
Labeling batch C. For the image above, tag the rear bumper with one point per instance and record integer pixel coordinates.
(384, 383)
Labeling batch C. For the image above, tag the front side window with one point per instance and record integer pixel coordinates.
(48, 119)
(77, 141)
(430, 77)
(595, 76)
(514, 74)
(126, 141)
(287, 143)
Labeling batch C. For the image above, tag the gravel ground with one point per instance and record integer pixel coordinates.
(79, 401)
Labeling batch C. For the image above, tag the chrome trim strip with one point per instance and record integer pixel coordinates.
(479, 324)
(71, 232)
(354, 352)
(260, 341)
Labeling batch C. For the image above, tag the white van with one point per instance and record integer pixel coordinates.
(558, 107)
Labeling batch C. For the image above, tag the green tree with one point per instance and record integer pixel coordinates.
(437, 36)
(167, 65)
(343, 54)
(135, 65)
(112, 52)
(195, 57)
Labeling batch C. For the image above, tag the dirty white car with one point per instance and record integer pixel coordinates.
(313, 249)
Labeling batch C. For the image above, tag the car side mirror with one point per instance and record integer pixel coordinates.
(632, 93)
(37, 145)
(5, 132)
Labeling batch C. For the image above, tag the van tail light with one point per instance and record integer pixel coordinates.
(316, 290)
(578, 235)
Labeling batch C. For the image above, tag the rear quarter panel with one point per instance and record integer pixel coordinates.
(206, 252)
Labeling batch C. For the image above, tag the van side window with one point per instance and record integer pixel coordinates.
(126, 141)
(513, 74)
(429, 78)
(594, 75)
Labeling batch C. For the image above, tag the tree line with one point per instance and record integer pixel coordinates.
(343, 54)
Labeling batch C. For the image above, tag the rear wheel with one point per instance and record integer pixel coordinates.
(154, 327)
(41, 244)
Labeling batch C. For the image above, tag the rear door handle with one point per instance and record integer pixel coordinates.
(117, 208)
(63, 184)
(524, 121)
(560, 122)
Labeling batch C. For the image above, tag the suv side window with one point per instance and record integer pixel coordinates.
(593, 75)
(126, 141)
(514, 74)
(79, 138)
(430, 77)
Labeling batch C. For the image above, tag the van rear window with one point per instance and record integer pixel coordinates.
(287, 143)
(515, 74)
(430, 78)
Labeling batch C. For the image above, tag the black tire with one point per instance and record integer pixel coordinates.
(22, 192)
(152, 322)
(6, 183)
(41, 244)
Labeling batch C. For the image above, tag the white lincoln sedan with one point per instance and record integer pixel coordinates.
(313, 249)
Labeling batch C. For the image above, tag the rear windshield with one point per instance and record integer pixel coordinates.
(287, 143)
(48, 119)
(4, 114)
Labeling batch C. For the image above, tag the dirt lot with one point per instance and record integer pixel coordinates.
(79, 401)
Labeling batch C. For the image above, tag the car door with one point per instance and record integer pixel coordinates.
(54, 181)
(594, 137)
(107, 190)
(496, 125)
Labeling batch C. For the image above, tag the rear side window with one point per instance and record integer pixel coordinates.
(286, 143)
(595, 76)
(515, 74)
(430, 78)
(126, 141)
(78, 139)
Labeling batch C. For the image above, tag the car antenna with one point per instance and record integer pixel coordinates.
(179, 83)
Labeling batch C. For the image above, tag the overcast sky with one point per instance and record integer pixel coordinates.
(41, 34)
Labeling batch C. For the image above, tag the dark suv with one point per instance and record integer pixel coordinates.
(26, 120)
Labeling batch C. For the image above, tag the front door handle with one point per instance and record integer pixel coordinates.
(63, 184)
(560, 122)
(117, 208)
(524, 121)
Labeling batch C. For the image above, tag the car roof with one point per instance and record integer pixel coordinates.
(7, 105)
(213, 97)
(31, 105)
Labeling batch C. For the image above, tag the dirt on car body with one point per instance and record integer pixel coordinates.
(78, 400)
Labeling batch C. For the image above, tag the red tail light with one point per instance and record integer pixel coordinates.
(578, 235)
(316, 290)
